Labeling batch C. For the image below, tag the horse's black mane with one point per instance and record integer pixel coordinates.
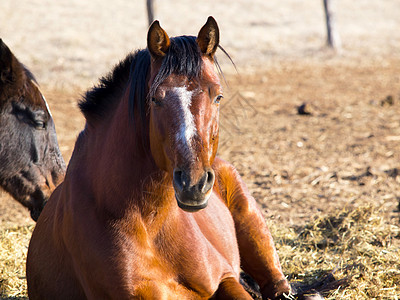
(183, 58)
(97, 100)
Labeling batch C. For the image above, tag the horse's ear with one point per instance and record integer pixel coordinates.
(157, 40)
(6, 58)
(208, 37)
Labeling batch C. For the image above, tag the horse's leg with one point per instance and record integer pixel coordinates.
(230, 288)
(257, 250)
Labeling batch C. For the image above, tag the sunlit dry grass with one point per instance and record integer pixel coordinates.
(355, 245)
(13, 248)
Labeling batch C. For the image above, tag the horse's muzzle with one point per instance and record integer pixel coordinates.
(192, 197)
(35, 213)
(38, 200)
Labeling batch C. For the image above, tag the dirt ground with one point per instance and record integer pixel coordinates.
(344, 154)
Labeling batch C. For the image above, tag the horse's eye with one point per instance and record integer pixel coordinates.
(40, 125)
(218, 99)
(39, 119)
(36, 119)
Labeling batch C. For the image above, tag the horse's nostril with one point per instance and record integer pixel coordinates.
(210, 177)
(179, 181)
(208, 182)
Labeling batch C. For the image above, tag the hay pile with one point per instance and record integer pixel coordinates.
(13, 248)
(357, 248)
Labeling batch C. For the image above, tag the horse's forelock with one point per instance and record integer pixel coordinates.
(182, 58)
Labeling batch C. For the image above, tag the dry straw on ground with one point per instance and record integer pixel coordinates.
(13, 248)
(357, 245)
(357, 248)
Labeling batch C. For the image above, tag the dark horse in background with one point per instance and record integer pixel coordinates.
(31, 165)
(147, 210)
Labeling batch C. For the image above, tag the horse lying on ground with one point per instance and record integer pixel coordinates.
(31, 165)
(147, 210)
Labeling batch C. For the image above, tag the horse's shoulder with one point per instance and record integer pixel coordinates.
(228, 183)
(222, 167)
(225, 173)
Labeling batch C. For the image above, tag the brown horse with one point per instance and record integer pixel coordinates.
(31, 165)
(147, 210)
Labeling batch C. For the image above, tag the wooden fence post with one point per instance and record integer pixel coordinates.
(150, 11)
(333, 39)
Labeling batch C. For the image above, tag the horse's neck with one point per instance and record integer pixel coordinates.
(120, 173)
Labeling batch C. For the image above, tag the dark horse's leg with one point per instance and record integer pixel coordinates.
(257, 250)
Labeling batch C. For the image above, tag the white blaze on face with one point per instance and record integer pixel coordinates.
(187, 128)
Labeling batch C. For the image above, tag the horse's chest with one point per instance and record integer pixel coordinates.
(192, 251)
(197, 250)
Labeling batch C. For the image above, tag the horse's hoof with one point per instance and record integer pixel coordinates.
(277, 290)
